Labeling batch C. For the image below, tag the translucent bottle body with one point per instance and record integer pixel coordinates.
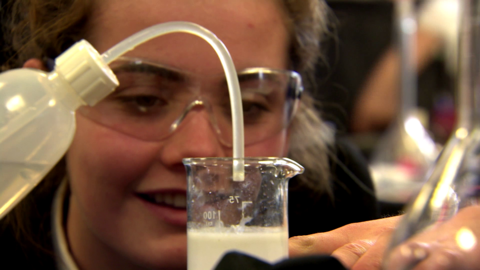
(36, 127)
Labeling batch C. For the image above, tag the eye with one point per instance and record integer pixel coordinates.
(250, 107)
(254, 102)
(144, 103)
(255, 112)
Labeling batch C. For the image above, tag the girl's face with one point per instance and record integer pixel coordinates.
(110, 224)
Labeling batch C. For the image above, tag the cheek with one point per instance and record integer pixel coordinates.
(104, 163)
(275, 146)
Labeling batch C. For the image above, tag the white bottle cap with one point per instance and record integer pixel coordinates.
(84, 69)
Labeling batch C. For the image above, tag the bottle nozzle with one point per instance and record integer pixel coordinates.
(85, 70)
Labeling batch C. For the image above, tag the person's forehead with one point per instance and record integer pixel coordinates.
(254, 31)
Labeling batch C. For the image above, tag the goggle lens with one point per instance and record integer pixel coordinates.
(152, 100)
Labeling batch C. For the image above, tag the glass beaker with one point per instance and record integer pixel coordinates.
(248, 216)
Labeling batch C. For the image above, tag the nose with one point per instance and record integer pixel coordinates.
(194, 136)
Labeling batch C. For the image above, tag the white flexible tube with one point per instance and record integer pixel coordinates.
(230, 73)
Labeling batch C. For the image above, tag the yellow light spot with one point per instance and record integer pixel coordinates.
(52, 102)
(15, 103)
(465, 238)
(414, 128)
(461, 133)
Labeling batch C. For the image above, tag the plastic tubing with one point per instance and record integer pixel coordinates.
(229, 68)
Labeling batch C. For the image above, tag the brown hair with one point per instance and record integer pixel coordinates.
(310, 136)
(45, 28)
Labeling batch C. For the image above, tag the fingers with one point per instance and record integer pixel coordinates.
(423, 256)
(300, 246)
(449, 245)
(349, 254)
(373, 258)
(319, 243)
(440, 259)
(362, 246)
(407, 256)
(348, 242)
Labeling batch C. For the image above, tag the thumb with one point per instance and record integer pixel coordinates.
(313, 244)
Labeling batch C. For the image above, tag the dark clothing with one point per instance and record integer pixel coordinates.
(239, 261)
(27, 256)
(362, 32)
(310, 212)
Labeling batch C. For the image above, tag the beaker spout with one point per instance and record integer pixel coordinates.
(291, 167)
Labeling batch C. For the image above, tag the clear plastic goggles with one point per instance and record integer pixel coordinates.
(152, 100)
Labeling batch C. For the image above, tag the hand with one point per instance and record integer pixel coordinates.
(35, 63)
(357, 246)
(449, 245)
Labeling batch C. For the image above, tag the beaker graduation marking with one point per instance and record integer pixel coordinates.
(244, 203)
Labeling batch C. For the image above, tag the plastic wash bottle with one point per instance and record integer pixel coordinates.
(37, 116)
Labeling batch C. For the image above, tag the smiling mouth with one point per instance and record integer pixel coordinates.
(166, 199)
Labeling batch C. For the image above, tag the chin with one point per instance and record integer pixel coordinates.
(168, 254)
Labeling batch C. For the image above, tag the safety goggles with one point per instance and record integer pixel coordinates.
(152, 100)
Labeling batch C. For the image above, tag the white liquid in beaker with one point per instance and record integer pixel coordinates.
(207, 246)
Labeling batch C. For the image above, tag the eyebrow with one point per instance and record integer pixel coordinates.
(160, 71)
